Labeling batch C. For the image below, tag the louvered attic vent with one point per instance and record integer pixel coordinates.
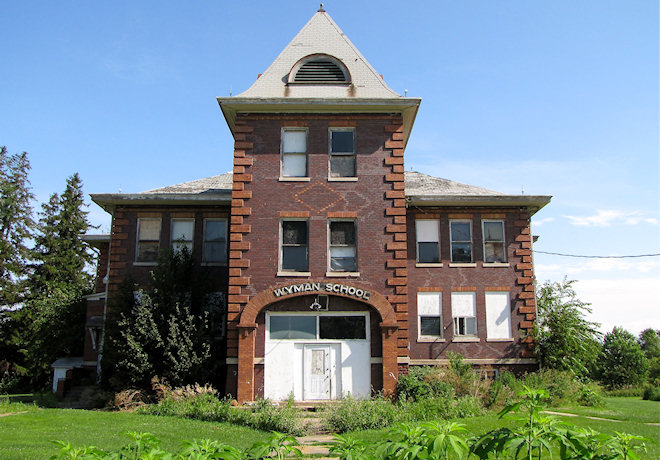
(319, 71)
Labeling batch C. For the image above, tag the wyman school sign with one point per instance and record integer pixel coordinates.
(323, 287)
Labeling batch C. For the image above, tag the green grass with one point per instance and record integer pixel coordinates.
(633, 416)
(627, 409)
(27, 436)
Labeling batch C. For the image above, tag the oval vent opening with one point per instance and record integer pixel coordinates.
(320, 71)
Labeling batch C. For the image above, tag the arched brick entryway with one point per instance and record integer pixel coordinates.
(247, 331)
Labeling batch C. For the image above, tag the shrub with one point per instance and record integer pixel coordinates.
(589, 395)
(423, 382)
(560, 385)
(624, 392)
(352, 414)
(651, 393)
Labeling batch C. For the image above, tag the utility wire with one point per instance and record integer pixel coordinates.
(596, 257)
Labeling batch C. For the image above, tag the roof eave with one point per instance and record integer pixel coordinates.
(406, 106)
(108, 201)
(532, 202)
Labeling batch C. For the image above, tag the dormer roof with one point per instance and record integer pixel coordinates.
(320, 71)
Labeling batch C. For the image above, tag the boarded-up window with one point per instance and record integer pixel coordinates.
(148, 241)
(182, 234)
(429, 313)
(464, 312)
(428, 237)
(498, 315)
(294, 246)
(494, 247)
(294, 152)
(215, 241)
(343, 252)
(342, 153)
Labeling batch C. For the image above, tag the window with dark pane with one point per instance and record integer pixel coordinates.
(428, 237)
(430, 326)
(292, 327)
(342, 153)
(494, 247)
(294, 246)
(343, 327)
(343, 253)
(461, 241)
(215, 241)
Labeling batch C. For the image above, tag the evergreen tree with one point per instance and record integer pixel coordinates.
(60, 251)
(565, 339)
(16, 226)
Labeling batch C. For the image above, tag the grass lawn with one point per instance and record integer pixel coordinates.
(633, 416)
(27, 435)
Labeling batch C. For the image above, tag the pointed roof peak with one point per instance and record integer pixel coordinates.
(321, 10)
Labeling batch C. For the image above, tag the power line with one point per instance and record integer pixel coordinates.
(596, 257)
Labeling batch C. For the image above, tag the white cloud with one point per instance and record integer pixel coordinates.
(545, 220)
(577, 266)
(605, 218)
(629, 303)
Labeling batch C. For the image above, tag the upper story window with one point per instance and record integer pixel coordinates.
(342, 152)
(215, 241)
(148, 240)
(428, 241)
(294, 152)
(460, 232)
(319, 68)
(494, 247)
(343, 249)
(182, 234)
(294, 254)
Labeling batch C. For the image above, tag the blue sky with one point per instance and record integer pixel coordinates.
(558, 98)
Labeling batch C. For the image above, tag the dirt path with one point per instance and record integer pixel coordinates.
(13, 413)
(565, 414)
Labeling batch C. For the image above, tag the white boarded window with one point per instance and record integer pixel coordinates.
(294, 152)
(429, 314)
(498, 315)
(428, 238)
(182, 234)
(464, 312)
(148, 241)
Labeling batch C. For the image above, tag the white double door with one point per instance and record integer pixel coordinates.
(320, 371)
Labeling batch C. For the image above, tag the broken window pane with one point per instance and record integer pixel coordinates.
(342, 166)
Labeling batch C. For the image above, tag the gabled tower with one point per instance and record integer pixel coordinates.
(318, 294)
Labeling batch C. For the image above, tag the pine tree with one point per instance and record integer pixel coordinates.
(16, 226)
(60, 251)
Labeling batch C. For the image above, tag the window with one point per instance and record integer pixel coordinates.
(342, 152)
(428, 237)
(464, 312)
(429, 314)
(182, 234)
(343, 253)
(494, 248)
(215, 241)
(294, 246)
(148, 241)
(461, 240)
(313, 327)
(294, 152)
(498, 315)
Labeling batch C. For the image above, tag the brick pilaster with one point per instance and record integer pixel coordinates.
(526, 301)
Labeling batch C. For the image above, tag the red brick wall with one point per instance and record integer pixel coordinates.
(517, 279)
(376, 201)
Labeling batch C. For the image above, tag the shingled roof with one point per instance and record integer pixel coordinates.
(421, 190)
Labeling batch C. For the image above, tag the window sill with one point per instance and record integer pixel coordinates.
(430, 339)
(342, 274)
(496, 264)
(466, 339)
(294, 274)
(462, 265)
(428, 265)
(342, 179)
(214, 264)
(510, 339)
(145, 264)
(294, 179)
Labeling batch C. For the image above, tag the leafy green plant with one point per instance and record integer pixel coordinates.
(279, 446)
(651, 393)
(348, 448)
(625, 445)
(439, 439)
